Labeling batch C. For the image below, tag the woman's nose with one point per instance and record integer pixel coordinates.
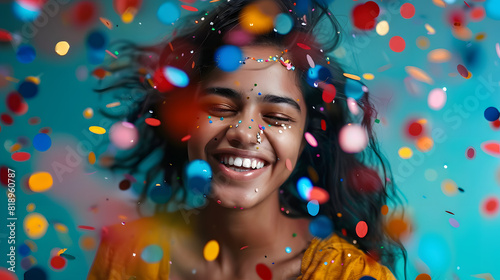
(245, 134)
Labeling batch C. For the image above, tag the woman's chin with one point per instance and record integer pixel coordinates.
(236, 198)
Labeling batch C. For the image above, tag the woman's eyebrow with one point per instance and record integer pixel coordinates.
(268, 98)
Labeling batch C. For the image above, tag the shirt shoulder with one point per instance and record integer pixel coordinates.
(335, 258)
(138, 248)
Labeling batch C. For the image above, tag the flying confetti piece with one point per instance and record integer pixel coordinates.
(168, 13)
(106, 22)
(152, 254)
(124, 135)
(492, 8)
(352, 105)
(67, 256)
(397, 44)
(57, 262)
(354, 89)
(423, 276)
(15, 102)
(436, 99)
(96, 40)
(454, 223)
(62, 48)
(5, 36)
(176, 76)
(197, 176)
(491, 147)
(283, 23)
(21, 156)
(361, 229)
(477, 14)
(288, 164)
(97, 130)
(25, 54)
(313, 207)
(430, 29)
(407, 10)
(28, 89)
(189, 8)
(321, 226)
(310, 139)
(258, 18)
(319, 194)
(449, 187)
(491, 114)
(462, 70)
(211, 250)
(152, 121)
(470, 153)
(382, 28)
(42, 142)
(304, 187)
(111, 54)
(228, 58)
(439, 56)
(40, 181)
(88, 113)
(263, 271)
(490, 206)
(384, 210)
(363, 15)
(35, 225)
(353, 138)
(405, 152)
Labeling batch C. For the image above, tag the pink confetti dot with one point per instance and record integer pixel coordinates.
(454, 223)
(361, 229)
(288, 164)
(310, 139)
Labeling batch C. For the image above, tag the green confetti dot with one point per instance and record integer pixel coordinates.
(209, 117)
(255, 84)
(294, 234)
(377, 120)
(249, 127)
(221, 118)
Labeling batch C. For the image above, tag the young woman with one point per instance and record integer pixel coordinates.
(264, 117)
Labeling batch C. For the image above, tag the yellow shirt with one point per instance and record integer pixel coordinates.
(119, 256)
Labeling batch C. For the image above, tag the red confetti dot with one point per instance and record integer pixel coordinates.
(153, 122)
(4, 175)
(462, 70)
(185, 138)
(323, 125)
(329, 92)
(303, 46)
(121, 6)
(161, 83)
(407, 10)
(189, 8)
(57, 262)
(495, 124)
(397, 44)
(363, 15)
(34, 120)
(6, 119)
(491, 147)
(415, 129)
(87, 227)
(21, 156)
(470, 153)
(477, 14)
(319, 195)
(264, 272)
(361, 229)
(84, 12)
(490, 206)
(5, 36)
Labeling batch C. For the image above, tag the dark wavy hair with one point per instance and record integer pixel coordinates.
(358, 184)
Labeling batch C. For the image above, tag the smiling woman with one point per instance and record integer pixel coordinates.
(295, 185)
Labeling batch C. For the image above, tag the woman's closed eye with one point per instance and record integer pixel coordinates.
(224, 110)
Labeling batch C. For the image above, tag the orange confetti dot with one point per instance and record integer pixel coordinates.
(384, 210)
(87, 243)
(397, 44)
(319, 194)
(423, 276)
(153, 121)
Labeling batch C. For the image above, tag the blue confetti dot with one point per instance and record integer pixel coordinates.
(288, 250)
(210, 121)
(23, 13)
(168, 13)
(25, 54)
(42, 142)
(221, 118)
(28, 89)
(283, 23)
(24, 250)
(367, 278)
(318, 73)
(198, 176)
(491, 114)
(354, 89)
(160, 194)
(321, 226)
(228, 58)
(152, 254)
(35, 273)
(260, 93)
(325, 263)
(176, 76)
(313, 207)
(304, 187)
(96, 40)
(492, 8)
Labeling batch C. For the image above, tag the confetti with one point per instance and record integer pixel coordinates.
(454, 223)
(382, 28)
(124, 135)
(189, 8)
(106, 22)
(62, 48)
(97, 130)
(397, 44)
(310, 139)
(436, 99)
(42, 142)
(152, 121)
(319, 194)
(491, 147)
(21, 156)
(439, 56)
(353, 138)
(211, 250)
(40, 181)
(313, 207)
(228, 58)
(361, 229)
(263, 271)
(152, 254)
(168, 13)
(283, 23)
(449, 187)
(364, 15)
(407, 10)
(470, 153)
(35, 225)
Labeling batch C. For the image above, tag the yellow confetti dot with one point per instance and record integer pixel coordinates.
(339, 215)
(97, 130)
(16, 147)
(351, 76)
(368, 76)
(449, 187)
(40, 181)
(128, 15)
(405, 152)
(424, 144)
(439, 3)
(87, 243)
(423, 43)
(258, 18)
(88, 113)
(62, 48)
(61, 228)
(35, 80)
(382, 28)
(430, 29)
(35, 225)
(439, 56)
(91, 157)
(211, 250)
(30, 207)
(61, 251)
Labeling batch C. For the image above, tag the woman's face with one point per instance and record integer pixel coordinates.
(232, 106)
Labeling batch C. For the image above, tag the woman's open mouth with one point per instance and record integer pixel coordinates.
(240, 168)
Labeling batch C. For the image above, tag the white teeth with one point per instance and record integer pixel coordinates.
(260, 165)
(226, 159)
(238, 161)
(247, 163)
(254, 164)
(231, 161)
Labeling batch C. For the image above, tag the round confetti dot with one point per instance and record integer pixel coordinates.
(152, 121)
(124, 135)
(454, 223)
(198, 175)
(40, 181)
(313, 207)
(304, 187)
(436, 99)
(97, 130)
(35, 273)
(423, 276)
(319, 194)
(449, 187)
(288, 164)
(288, 250)
(57, 262)
(16, 103)
(415, 129)
(477, 13)
(87, 243)
(88, 113)
(24, 250)
(25, 54)
(361, 229)
(492, 8)
(382, 28)
(329, 92)
(405, 152)
(7, 119)
(21, 156)
(491, 114)
(384, 210)
(353, 138)
(62, 48)
(423, 43)
(28, 89)
(462, 70)
(124, 185)
(263, 271)
(363, 15)
(321, 226)
(490, 206)
(35, 225)
(96, 40)
(91, 157)
(159, 194)
(176, 76)
(283, 23)
(84, 12)
(407, 10)
(42, 142)
(168, 13)
(152, 254)
(354, 89)
(211, 250)
(258, 18)
(470, 153)
(397, 44)
(5, 274)
(228, 58)
(424, 144)
(310, 139)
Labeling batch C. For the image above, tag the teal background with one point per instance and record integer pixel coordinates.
(84, 195)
